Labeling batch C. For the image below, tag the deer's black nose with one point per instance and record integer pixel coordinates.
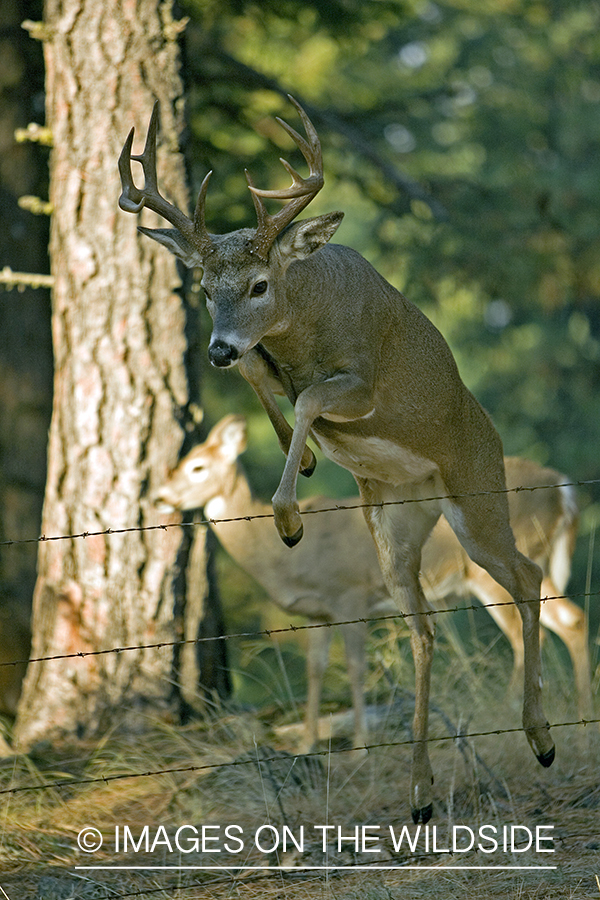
(222, 354)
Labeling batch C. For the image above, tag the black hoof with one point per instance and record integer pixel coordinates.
(308, 472)
(546, 759)
(294, 539)
(423, 814)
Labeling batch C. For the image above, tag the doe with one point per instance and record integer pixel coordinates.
(333, 575)
(375, 385)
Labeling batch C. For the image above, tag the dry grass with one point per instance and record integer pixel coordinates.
(496, 782)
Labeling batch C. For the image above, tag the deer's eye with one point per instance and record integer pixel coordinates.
(260, 287)
(196, 471)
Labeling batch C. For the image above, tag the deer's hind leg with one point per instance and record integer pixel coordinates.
(319, 640)
(505, 614)
(481, 524)
(355, 636)
(568, 621)
(399, 533)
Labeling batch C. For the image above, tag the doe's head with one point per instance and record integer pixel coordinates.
(209, 470)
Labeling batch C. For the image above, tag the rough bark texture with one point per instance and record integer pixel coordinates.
(119, 386)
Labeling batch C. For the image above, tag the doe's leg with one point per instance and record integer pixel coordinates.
(319, 640)
(568, 621)
(354, 641)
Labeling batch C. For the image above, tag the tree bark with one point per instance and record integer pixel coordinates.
(119, 385)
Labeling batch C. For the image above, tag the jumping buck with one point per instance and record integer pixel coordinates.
(334, 576)
(374, 384)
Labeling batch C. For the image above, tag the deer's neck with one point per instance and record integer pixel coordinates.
(243, 540)
(334, 299)
(233, 501)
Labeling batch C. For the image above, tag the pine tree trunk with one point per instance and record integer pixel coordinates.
(119, 385)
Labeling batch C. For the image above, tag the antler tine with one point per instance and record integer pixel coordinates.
(300, 192)
(133, 199)
(199, 215)
(261, 212)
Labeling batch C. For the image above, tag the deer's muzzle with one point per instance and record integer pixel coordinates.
(222, 354)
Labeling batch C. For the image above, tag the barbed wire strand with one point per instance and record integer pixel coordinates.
(270, 632)
(304, 512)
(175, 770)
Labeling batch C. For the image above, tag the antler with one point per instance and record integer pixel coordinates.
(133, 199)
(300, 192)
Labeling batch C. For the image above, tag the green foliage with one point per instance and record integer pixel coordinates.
(462, 139)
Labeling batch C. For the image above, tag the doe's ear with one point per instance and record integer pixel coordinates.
(174, 241)
(304, 237)
(231, 435)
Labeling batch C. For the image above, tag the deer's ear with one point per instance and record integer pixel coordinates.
(304, 237)
(174, 241)
(232, 437)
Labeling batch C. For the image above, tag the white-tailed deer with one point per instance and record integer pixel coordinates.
(334, 576)
(544, 519)
(375, 385)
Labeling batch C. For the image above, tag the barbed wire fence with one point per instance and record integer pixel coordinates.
(313, 754)
(338, 507)
(271, 632)
(229, 877)
(266, 632)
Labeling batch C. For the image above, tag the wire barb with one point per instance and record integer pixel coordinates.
(269, 632)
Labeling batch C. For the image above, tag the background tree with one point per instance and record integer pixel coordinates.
(120, 387)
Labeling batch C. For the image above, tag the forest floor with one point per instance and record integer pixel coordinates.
(187, 811)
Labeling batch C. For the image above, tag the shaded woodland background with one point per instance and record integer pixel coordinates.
(462, 141)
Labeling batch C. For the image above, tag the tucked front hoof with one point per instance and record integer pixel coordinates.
(422, 815)
(308, 463)
(291, 541)
(546, 759)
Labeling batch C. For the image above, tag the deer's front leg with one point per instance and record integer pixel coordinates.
(265, 384)
(344, 397)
